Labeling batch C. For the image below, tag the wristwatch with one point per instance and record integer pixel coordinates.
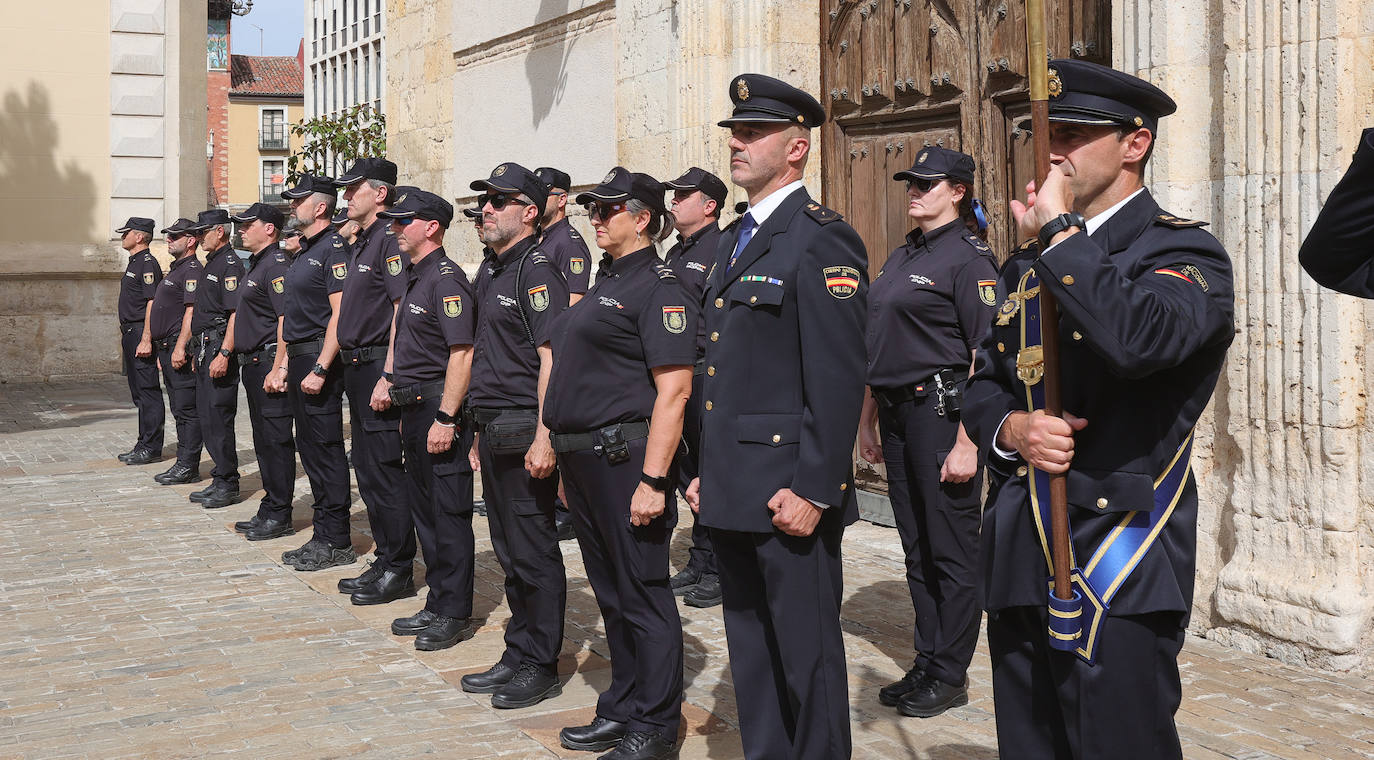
(442, 418)
(388, 377)
(226, 353)
(319, 370)
(658, 484)
(1059, 224)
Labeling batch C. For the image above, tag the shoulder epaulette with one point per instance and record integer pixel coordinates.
(665, 272)
(821, 213)
(537, 257)
(978, 243)
(1028, 245)
(388, 231)
(1177, 222)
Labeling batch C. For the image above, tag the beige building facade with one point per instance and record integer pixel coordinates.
(1272, 97)
(103, 118)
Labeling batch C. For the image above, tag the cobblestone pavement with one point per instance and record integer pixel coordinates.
(135, 624)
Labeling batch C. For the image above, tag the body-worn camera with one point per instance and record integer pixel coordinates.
(613, 445)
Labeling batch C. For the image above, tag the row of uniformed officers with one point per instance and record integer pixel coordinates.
(738, 371)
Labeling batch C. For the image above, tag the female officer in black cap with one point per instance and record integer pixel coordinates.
(928, 308)
(622, 374)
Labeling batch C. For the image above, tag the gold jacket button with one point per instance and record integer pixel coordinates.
(1077, 335)
(1001, 347)
(711, 371)
(1021, 472)
(777, 439)
(720, 303)
(844, 486)
(708, 406)
(1067, 279)
(715, 336)
(753, 299)
(1102, 503)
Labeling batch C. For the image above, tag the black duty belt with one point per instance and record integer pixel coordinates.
(300, 348)
(362, 354)
(258, 355)
(166, 344)
(611, 440)
(409, 395)
(129, 325)
(481, 415)
(943, 384)
(699, 368)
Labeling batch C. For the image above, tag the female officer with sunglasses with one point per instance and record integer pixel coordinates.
(622, 373)
(928, 308)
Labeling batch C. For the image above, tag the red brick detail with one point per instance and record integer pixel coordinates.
(217, 123)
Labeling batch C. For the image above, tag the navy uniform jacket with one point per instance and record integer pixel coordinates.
(1339, 251)
(176, 291)
(785, 363)
(218, 292)
(1146, 317)
(317, 272)
(691, 258)
(138, 286)
(569, 251)
(376, 279)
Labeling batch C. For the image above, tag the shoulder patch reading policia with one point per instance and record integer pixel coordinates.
(453, 306)
(190, 286)
(822, 214)
(675, 319)
(842, 282)
(987, 292)
(539, 297)
(393, 265)
(577, 264)
(279, 284)
(340, 270)
(1177, 222)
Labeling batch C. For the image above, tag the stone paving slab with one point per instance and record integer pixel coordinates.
(135, 624)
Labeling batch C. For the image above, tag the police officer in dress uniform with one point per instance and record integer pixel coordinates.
(928, 309)
(212, 349)
(375, 284)
(785, 306)
(170, 322)
(622, 375)
(136, 291)
(561, 242)
(431, 365)
(256, 340)
(314, 290)
(520, 293)
(698, 197)
(1339, 251)
(1145, 304)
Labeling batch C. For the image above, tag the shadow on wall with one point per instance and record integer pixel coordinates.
(546, 67)
(28, 164)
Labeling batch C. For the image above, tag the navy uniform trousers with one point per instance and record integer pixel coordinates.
(699, 555)
(628, 570)
(319, 437)
(271, 417)
(938, 524)
(439, 491)
(376, 458)
(1045, 696)
(520, 516)
(181, 391)
(217, 403)
(144, 389)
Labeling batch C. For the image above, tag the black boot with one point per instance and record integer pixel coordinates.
(243, 526)
(410, 626)
(530, 686)
(178, 474)
(269, 529)
(684, 580)
(601, 734)
(931, 696)
(143, 456)
(221, 495)
(489, 680)
(389, 586)
(643, 745)
(705, 594)
(443, 633)
(351, 585)
(892, 693)
(206, 491)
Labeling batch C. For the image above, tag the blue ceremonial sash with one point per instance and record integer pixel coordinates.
(1074, 624)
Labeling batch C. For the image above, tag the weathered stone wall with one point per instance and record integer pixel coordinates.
(419, 105)
(1272, 96)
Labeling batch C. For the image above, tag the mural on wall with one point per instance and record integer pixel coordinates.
(217, 45)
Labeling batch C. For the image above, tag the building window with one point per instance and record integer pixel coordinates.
(344, 103)
(367, 74)
(273, 180)
(377, 71)
(273, 134)
(334, 91)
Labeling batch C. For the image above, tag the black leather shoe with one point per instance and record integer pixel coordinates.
(317, 555)
(892, 693)
(931, 696)
(410, 626)
(480, 507)
(643, 745)
(443, 633)
(243, 526)
(389, 586)
(178, 474)
(269, 529)
(142, 456)
(530, 686)
(684, 580)
(223, 497)
(206, 491)
(601, 734)
(489, 680)
(564, 526)
(351, 585)
(705, 594)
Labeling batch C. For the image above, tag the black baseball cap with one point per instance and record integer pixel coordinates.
(181, 226)
(340, 217)
(379, 169)
(414, 203)
(697, 178)
(514, 178)
(269, 214)
(1090, 93)
(291, 232)
(554, 179)
(207, 219)
(622, 184)
(760, 98)
(936, 162)
(474, 214)
(309, 183)
(140, 223)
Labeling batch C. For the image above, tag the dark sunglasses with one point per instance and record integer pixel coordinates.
(179, 235)
(499, 202)
(604, 210)
(922, 185)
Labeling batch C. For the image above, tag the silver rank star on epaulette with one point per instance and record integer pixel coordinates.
(664, 272)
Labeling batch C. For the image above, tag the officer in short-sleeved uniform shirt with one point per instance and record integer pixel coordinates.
(217, 398)
(136, 289)
(175, 292)
(317, 272)
(1339, 251)
(436, 313)
(262, 301)
(561, 242)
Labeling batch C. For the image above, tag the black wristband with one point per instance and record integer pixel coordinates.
(1057, 225)
(658, 484)
(319, 370)
(226, 353)
(447, 419)
(388, 377)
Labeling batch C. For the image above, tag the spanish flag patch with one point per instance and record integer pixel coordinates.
(842, 282)
(1175, 273)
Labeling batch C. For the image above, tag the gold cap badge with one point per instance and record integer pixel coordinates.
(1056, 85)
(499, 171)
(742, 89)
(610, 177)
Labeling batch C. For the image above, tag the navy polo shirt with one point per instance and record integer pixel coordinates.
(929, 306)
(436, 313)
(637, 317)
(376, 279)
(568, 250)
(317, 271)
(218, 292)
(138, 286)
(691, 259)
(262, 299)
(505, 366)
(175, 292)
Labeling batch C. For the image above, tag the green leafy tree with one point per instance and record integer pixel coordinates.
(331, 144)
